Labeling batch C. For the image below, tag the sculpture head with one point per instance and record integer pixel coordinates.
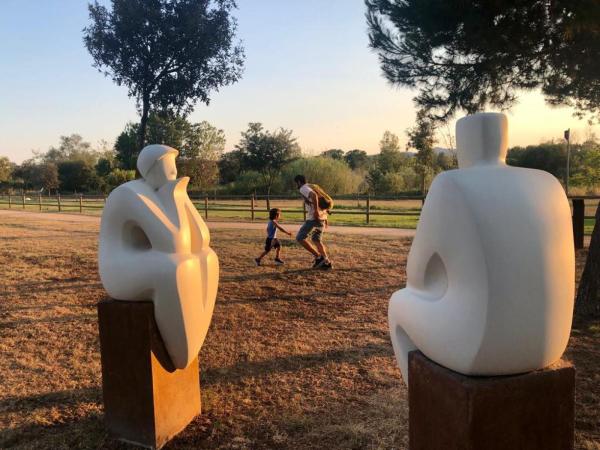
(156, 163)
(482, 139)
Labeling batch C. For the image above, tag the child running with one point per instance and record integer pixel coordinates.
(272, 241)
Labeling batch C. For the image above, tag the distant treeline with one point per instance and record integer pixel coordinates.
(265, 162)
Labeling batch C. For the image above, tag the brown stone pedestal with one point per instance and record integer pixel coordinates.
(450, 411)
(146, 400)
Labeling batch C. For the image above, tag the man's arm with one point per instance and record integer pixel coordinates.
(314, 198)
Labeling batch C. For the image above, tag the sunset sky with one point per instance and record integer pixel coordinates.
(308, 68)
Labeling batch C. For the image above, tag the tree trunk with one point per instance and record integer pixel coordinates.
(587, 302)
(143, 123)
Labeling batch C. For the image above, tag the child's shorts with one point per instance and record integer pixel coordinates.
(271, 243)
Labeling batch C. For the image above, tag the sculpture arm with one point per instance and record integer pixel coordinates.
(131, 208)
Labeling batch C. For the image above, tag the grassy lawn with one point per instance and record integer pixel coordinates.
(294, 358)
(225, 210)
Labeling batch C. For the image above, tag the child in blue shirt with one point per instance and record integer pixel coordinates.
(272, 241)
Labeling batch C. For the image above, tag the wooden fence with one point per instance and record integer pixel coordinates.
(256, 207)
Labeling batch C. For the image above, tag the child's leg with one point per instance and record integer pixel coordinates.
(278, 252)
(263, 254)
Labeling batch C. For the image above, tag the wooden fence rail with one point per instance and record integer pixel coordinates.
(81, 203)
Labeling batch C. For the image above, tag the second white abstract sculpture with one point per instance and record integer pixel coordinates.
(491, 271)
(155, 246)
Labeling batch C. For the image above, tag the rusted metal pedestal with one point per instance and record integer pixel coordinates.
(146, 400)
(450, 411)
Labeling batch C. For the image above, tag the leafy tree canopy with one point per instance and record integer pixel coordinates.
(356, 159)
(334, 153)
(466, 55)
(70, 148)
(169, 53)
(200, 146)
(6, 169)
(390, 158)
(267, 152)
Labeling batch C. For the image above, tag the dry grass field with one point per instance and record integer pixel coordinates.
(294, 358)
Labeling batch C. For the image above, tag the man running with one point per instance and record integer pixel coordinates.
(316, 221)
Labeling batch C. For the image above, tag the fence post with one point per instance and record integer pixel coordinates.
(40, 201)
(368, 208)
(206, 207)
(80, 203)
(23, 200)
(578, 221)
(252, 206)
(58, 200)
(304, 209)
(9, 201)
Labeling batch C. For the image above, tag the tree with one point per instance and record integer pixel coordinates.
(390, 159)
(199, 157)
(77, 176)
(467, 55)
(170, 54)
(422, 137)
(167, 129)
(547, 156)
(70, 148)
(126, 147)
(356, 159)
(6, 169)
(267, 152)
(38, 175)
(119, 176)
(103, 167)
(47, 176)
(334, 153)
(230, 166)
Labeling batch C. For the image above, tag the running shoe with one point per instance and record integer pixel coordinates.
(326, 266)
(279, 261)
(257, 261)
(318, 261)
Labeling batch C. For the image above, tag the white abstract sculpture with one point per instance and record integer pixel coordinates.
(491, 271)
(155, 246)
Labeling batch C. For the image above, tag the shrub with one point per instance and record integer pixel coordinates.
(333, 175)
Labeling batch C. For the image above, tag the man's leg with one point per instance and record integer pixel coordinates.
(322, 250)
(317, 238)
(302, 236)
(308, 246)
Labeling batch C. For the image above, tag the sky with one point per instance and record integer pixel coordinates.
(308, 68)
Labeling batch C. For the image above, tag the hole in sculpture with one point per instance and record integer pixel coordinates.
(135, 237)
(436, 278)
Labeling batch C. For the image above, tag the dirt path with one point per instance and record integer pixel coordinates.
(365, 231)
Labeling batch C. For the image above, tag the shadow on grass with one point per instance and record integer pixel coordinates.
(292, 363)
(61, 319)
(307, 271)
(55, 285)
(388, 288)
(60, 398)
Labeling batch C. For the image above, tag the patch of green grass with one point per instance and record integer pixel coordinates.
(225, 211)
(589, 226)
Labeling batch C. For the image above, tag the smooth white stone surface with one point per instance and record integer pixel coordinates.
(155, 246)
(491, 271)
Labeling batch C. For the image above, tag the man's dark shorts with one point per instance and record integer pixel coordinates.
(311, 227)
(271, 243)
